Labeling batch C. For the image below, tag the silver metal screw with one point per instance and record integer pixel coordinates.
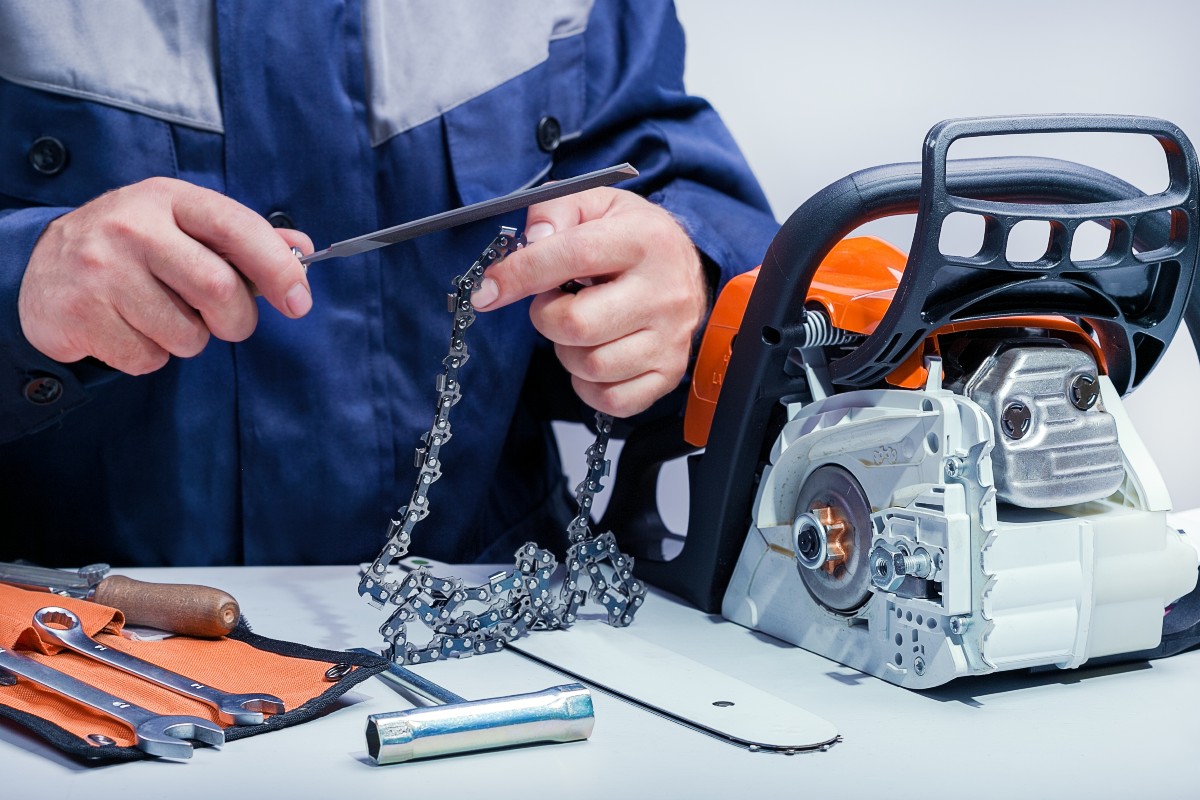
(954, 467)
(919, 564)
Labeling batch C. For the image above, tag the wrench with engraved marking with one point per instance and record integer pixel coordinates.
(156, 734)
(232, 709)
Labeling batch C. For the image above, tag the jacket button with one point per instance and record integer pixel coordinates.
(43, 391)
(279, 219)
(549, 134)
(48, 155)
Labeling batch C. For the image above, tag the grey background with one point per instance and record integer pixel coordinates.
(814, 91)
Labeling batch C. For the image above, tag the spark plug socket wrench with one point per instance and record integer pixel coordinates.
(558, 714)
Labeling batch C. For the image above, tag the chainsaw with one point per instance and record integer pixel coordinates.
(919, 465)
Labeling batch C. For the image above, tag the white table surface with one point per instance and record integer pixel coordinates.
(1131, 731)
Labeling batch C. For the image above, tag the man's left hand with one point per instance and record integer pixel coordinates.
(626, 336)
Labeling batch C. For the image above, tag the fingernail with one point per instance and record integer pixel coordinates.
(486, 294)
(538, 231)
(298, 299)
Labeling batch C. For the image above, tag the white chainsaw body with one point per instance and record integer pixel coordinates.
(972, 553)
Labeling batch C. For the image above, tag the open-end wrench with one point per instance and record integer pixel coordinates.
(232, 709)
(156, 734)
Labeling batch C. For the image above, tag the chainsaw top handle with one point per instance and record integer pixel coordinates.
(1132, 298)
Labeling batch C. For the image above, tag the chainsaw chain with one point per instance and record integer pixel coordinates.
(469, 620)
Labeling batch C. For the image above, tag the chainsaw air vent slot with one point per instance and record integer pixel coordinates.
(1031, 242)
(898, 347)
(1148, 349)
(1163, 278)
(962, 235)
(1095, 240)
(1160, 234)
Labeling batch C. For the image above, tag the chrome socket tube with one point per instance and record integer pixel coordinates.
(558, 714)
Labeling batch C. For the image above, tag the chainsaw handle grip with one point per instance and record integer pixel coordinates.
(1180, 158)
(1132, 298)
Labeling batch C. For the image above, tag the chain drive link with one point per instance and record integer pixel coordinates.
(480, 619)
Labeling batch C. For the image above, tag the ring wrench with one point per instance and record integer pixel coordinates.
(232, 709)
(156, 734)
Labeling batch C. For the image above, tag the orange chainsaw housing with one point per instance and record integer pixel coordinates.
(854, 284)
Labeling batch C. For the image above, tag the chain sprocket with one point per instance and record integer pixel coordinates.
(464, 620)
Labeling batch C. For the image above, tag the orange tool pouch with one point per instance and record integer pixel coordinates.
(237, 663)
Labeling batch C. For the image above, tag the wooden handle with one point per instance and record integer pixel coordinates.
(181, 608)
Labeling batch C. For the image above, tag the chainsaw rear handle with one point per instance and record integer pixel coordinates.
(1132, 300)
(723, 480)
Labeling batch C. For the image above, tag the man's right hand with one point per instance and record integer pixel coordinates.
(151, 270)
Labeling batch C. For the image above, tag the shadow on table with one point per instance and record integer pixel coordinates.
(13, 734)
(968, 690)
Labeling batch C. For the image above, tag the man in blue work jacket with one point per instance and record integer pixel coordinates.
(154, 157)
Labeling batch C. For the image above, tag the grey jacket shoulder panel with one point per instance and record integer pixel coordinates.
(422, 57)
(426, 57)
(141, 55)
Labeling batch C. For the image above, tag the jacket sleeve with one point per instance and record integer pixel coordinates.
(637, 110)
(35, 391)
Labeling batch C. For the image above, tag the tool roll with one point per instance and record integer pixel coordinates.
(240, 662)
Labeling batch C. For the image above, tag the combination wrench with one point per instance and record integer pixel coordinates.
(156, 734)
(232, 709)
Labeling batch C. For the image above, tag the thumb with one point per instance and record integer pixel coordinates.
(539, 268)
(555, 216)
(546, 219)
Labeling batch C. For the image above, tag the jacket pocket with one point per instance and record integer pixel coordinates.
(506, 139)
(61, 151)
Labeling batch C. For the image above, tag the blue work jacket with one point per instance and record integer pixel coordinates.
(296, 445)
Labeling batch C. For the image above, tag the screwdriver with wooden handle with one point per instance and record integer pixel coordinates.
(182, 608)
